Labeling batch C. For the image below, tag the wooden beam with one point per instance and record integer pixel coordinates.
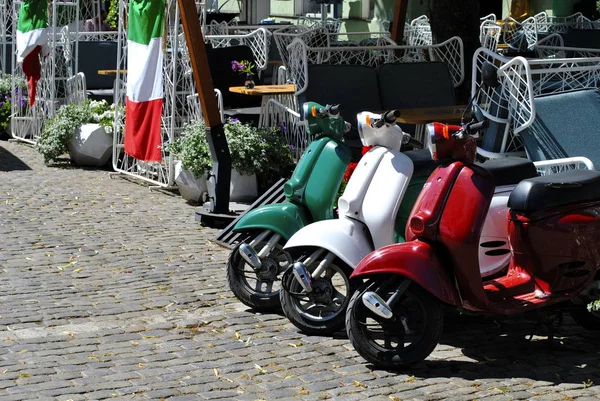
(399, 21)
(199, 61)
(215, 134)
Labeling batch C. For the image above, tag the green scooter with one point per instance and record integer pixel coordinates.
(257, 262)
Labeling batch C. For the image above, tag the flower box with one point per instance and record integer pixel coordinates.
(91, 146)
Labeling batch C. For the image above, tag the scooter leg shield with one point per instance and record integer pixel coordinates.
(282, 218)
(345, 238)
(415, 260)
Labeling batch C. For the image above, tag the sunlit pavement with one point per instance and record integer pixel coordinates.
(110, 290)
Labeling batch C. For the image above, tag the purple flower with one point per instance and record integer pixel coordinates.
(234, 120)
(235, 66)
(292, 147)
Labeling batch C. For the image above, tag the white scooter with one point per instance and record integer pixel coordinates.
(316, 290)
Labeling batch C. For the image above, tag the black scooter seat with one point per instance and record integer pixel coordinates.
(506, 170)
(423, 164)
(573, 186)
(509, 170)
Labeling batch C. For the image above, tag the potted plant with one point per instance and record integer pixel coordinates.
(6, 99)
(256, 155)
(83, 130)
(245, 67)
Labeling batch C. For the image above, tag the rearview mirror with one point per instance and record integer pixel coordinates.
(489, 75)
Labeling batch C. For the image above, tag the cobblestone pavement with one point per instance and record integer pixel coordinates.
(109, 290)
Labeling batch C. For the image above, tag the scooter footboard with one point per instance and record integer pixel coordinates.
(347, 239)
(415, 260)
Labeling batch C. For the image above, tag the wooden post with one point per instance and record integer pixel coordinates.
(210, 110)
(399, 21)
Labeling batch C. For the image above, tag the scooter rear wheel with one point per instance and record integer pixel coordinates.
(405, 339)
(321, 312)
(258, 290)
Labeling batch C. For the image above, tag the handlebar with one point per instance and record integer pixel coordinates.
(388, 117)
(475, 127)
(334, 109)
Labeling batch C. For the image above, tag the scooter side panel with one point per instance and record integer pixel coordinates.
(384, 195)
(294, 187)
(325, 179)
(415, 260)
(415, 186)
(346, 238)
(283, 218)
(350, 203)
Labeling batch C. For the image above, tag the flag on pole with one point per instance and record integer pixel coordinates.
(32, 37)
(144, 79)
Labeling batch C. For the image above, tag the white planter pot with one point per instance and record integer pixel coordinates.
(91, 146)
(191, 188)
(242, 188)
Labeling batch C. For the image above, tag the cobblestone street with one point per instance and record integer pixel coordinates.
(111, 291)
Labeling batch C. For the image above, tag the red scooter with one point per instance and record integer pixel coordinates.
(395, 318)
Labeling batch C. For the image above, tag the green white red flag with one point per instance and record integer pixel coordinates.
(143, 139)
(32, 37)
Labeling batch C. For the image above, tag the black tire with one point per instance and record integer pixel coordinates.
(587, 320)
(243, 280)
(426, 315)
(312, 315)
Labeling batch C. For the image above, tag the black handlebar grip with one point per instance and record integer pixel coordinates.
(390, 116)
(335, 109)
(387, 117)
(474, 127)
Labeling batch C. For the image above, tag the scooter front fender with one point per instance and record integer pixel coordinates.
(282, 218)
(347, 239)
(415, 260)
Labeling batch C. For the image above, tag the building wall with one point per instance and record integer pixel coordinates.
(559, 8)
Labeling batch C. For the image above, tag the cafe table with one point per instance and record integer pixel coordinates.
(111, 72)
(423, 116)
(285, 94)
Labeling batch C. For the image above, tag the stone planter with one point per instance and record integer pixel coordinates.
(91, 146)
(242, 188)
(192, 189)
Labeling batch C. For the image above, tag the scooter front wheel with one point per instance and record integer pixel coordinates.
(408, 337)
(258, 289)
(322, 310)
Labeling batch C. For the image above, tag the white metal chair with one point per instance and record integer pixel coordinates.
(489, 34)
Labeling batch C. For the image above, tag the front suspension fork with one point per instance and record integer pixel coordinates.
(249, 254)
(302, 274)
(382, 307)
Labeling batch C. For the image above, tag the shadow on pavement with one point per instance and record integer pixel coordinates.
(502, 350)
(9, 162)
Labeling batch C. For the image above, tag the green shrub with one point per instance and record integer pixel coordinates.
(58, 131)
(263, 152)
(6, 99)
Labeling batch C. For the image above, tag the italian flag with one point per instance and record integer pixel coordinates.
(144, 103)
(32, 36)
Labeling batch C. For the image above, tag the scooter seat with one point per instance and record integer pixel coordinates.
(573, 186)
(423, 164)
(509, 170)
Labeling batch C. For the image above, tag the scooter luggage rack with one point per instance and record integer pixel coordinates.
(511, 105)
